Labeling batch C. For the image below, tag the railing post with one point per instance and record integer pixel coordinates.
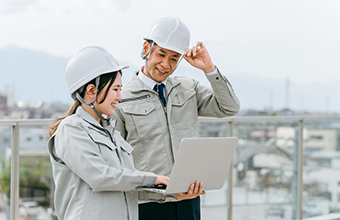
(14, 207)
(300, 170)
(230, 181)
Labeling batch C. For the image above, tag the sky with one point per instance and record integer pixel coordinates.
(277, 39)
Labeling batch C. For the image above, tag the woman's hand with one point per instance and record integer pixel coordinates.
(194, 191)
(162, 180)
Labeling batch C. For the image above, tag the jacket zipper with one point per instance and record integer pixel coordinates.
(127, 205)
(167, 121)
(124, 193)
(164, 107)
(135, 98)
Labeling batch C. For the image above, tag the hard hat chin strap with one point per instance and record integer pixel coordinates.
(179, 61)
(91, 104)
(145, 56)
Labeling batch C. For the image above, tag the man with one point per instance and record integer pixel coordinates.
(157, 111)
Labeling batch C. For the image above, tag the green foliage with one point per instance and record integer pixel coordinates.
(33, 172)
(5, 177)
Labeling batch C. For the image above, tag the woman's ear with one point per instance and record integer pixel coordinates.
(90, 91)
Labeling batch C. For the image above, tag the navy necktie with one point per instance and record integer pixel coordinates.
(160, 90)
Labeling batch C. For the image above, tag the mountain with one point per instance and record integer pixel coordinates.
(33, 75)
(37, 75)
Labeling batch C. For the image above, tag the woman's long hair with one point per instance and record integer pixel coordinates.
(103, 81)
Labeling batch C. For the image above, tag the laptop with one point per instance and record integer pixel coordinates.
(199, 159)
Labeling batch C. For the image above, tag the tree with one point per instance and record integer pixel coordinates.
(35, 177)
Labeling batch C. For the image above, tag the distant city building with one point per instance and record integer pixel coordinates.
(314, 139)
(6, 102)
(19, 114)
(33, 142)
(323, 170)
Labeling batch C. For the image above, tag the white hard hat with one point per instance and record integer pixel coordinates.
(87, 64)
(170, 33)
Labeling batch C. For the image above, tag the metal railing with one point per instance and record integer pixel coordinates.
(16, 124)
(326, 217)
(14, 194)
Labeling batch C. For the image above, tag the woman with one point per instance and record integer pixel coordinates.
(92, 164)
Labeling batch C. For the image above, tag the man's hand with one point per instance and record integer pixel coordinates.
(199, 57)
(194, 191)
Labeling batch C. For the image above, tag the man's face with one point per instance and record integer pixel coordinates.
(161, 62)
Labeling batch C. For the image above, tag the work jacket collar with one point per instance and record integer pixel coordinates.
(148, 81)
(137, 85)
(107, 124)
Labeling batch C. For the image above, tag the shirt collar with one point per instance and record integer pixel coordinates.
(148, 81)
(87, 117)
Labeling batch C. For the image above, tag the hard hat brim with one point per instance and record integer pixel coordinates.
(80, 83)
(167, 47)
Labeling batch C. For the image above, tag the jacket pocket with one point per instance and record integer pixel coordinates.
(101, 138)
(135, 98)
(140, 109)
(180, 99)
(184, 110)
(143, 117)
(126, 157)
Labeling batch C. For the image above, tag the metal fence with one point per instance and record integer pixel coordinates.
(230, 131)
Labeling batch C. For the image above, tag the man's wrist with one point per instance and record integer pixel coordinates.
(215, 71)
(209, 69)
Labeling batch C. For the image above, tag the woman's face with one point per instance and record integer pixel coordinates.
(107, 107)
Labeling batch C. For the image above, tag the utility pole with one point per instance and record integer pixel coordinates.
(287, 93)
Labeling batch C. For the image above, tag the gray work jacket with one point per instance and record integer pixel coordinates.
(93, 171)
(155, 132)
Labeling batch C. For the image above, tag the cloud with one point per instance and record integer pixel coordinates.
(278, 39)
(15, 6)
(122, 5)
